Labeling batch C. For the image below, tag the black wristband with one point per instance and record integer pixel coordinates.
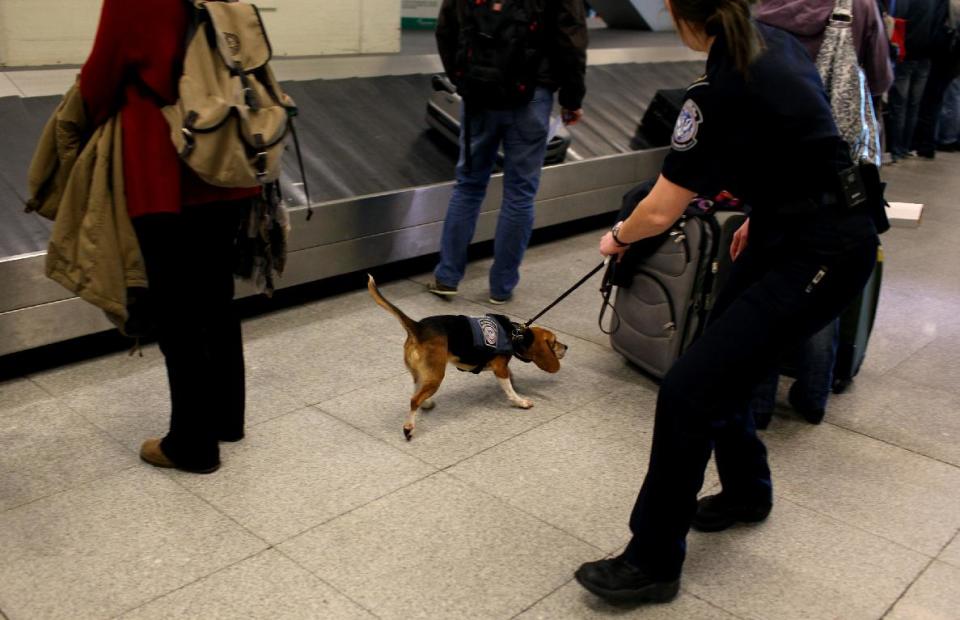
(614, 231)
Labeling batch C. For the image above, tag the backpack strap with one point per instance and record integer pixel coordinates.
(303, 174)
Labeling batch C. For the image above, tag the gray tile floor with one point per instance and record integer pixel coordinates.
(324, 511)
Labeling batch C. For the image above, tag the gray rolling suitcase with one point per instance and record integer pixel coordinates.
(665, 307)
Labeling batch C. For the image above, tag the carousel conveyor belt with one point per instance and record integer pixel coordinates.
(379, 180)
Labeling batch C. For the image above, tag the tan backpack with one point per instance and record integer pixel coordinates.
(232, 117)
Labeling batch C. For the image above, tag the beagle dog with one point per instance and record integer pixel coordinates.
(471, 344)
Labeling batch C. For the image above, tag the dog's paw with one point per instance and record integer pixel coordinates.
(524, 403)
(428, 404)
(408, 433)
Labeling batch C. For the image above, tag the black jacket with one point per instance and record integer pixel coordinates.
(926, 26)
(565, 59)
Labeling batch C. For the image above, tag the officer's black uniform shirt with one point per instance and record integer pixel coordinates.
(770, 139)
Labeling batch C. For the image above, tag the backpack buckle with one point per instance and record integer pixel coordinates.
(250, 98)
(261, 163)
(260, 159)
(188, 142)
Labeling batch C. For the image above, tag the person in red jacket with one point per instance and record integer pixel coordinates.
(187, 230)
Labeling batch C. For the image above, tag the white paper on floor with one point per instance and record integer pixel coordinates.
(906, 214)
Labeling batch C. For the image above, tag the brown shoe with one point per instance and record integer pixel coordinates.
(152, 453)
(442, 290)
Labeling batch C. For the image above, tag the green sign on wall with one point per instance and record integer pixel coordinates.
(419, 14)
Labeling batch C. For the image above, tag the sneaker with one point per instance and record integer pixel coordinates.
(152, 453)
(441, 290)
(499, 301)
(716, 513)
(618, 581)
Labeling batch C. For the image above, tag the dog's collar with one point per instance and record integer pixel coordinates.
(521, 338)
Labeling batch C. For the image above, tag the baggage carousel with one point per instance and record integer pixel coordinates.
(379, 179)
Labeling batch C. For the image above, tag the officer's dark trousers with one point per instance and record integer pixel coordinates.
(189, 259)
(769, 306)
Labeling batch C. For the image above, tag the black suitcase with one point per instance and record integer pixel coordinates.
(660, 119)
(856, 324)
(663, 300)
(443, 115)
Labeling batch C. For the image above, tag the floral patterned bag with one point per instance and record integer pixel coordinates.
(846, 86)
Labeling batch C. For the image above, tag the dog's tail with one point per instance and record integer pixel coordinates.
(408, 324)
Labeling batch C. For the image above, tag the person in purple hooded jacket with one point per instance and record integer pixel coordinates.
(807, 20)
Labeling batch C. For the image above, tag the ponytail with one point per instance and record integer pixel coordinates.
(743, 40)
(732, 18)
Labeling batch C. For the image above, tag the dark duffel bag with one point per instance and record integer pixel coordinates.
(660, 119)
(856, 324)
(443, 116)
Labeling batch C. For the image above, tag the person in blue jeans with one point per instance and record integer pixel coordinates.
(948, 133)
(521, 128)
(524, 133)
(814, 379)
(908, 85)
(807, 20)
(925, 19)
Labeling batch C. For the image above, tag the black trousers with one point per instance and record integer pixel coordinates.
(190, 259)
(771, 304)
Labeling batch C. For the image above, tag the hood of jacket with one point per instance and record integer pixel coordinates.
(805, 18)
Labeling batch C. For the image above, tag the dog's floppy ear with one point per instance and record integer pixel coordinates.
(541, 352)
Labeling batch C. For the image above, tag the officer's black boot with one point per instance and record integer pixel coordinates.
(716, 513)
(617, 581)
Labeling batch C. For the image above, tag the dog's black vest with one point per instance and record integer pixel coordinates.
(476, 340)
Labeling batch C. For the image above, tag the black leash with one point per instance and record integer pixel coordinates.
(606, 291)
(567, 294)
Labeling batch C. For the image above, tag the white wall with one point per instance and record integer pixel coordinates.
(330, 27)
(46, 32)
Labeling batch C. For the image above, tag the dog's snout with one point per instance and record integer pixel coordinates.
(561, 350)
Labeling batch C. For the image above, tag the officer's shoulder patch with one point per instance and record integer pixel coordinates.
(688, 126)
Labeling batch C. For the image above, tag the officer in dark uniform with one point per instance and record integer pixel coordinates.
(758, 124)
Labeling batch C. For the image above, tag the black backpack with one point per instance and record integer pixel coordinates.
(500, 52)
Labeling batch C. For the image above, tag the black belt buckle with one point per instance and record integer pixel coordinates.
(852, 188)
